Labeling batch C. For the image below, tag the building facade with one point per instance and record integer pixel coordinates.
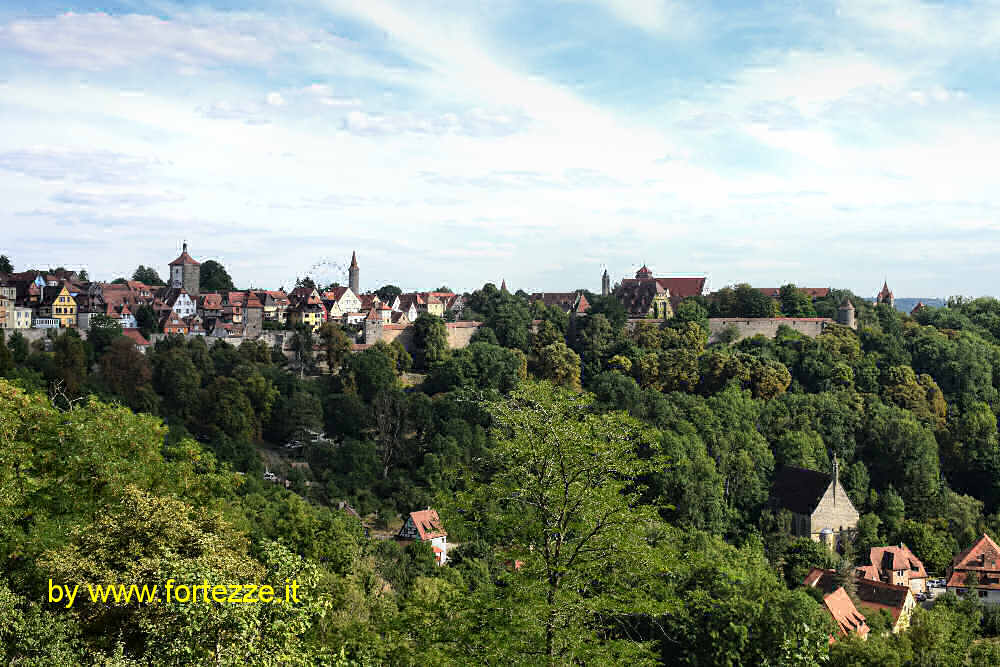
(820, 508)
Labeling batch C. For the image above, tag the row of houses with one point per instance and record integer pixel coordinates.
(35, 299)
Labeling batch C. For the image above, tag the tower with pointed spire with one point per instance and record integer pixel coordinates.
(886, 296)
(185, 273)
(354, 274)
(503, 285)
(605, 284)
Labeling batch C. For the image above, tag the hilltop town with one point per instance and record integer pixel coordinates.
(54, 299)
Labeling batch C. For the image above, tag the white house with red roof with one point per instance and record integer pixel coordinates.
(895, 565)
(981, 561)
(425, 526)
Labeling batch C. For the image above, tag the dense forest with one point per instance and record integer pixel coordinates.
(605, 488)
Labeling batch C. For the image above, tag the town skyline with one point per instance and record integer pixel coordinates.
(819, 143)
(328, 270)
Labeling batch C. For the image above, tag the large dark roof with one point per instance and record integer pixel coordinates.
(799, 490)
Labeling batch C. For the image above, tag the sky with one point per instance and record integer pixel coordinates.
(537, 141)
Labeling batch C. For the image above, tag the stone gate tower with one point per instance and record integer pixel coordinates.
(185, 273)
(605, 284)
(845, 314)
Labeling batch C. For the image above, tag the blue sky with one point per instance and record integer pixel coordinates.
(821, 143)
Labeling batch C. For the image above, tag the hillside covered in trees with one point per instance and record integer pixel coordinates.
(608, 489)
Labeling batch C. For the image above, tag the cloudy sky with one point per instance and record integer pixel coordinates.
(460, 142)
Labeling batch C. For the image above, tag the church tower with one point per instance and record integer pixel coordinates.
(605, 284)
(354, 275)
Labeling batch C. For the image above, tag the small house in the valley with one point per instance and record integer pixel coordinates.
(838, 604)
(898, 601)
(977, 568)
(895, 565)
(425, 526)
(818, 503)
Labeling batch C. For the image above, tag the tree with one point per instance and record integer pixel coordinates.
(103, 331)
(388, 293)
(305, 282)
(213, 277)
(370, 371)
(443, 288)
(18, 345)
(430, 338)
(335, 344)
(70, 360)
(389, 410)
(145, 319)
(567, 503)
(127, 373)
(147, 275)
(561, 365)
(611, 308)
(5, 265)
(83, 275)
(6, 358)
(794, 302)
(302, 344)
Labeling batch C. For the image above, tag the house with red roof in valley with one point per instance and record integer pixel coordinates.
(898, 601)
(977, 568)
(895, 565)
(838, 604)
(173, 324)
(426, 526)
(136, 336)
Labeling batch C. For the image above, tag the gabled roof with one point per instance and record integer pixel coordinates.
(136, 337)
(982, 554)
(211, 301)
(799, 490)
(428, 524)
(682, 288)
(847, 616)
(881, 595)
(897, 558)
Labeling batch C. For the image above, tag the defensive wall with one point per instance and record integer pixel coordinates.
(765, 326)
(747, 327)
(459, 334)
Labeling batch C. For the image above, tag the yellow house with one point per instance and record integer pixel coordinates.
(59, 304)
(309, 314)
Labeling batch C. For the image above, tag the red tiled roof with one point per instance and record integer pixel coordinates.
(428, 524)
(983, 558)
(847, 616)
(211, 301)
(136, 336)
(897, 558)
(184, 258)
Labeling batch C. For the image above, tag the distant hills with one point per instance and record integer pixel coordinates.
(907, 304)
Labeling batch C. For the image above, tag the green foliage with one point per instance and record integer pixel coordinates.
(147, 275)
(5, 265)
(213, 277)
(388, 293)
(430, 338)
(478, 366)
(103, 331)
(561, 365)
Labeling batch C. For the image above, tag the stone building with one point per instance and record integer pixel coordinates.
(845, 314)
(185, 273)
(895, 565)
(820, 508)
(646, 296)
(605, 284)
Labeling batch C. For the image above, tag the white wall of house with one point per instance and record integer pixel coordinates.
(985, 595)
(184, 305)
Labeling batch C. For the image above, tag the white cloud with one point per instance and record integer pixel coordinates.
(100, 41)
(275, 99)
(657, 16)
